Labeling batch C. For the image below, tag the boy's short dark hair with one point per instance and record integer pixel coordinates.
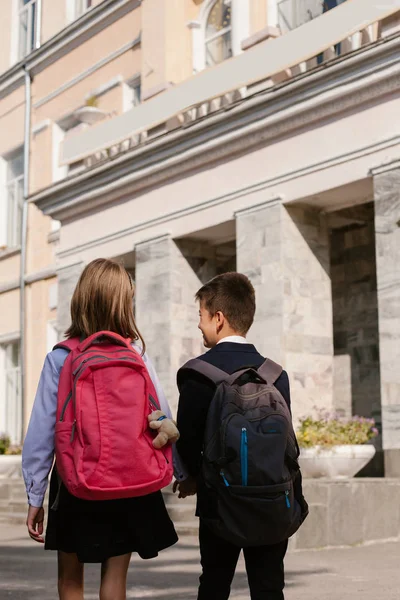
(233, 294)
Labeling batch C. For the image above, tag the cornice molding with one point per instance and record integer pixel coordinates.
(238, 193)
(256, 120)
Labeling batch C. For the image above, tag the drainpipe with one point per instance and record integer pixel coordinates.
(24, 235)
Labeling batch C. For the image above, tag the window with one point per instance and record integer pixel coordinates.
(329, 4)
(82, 6)
(28, 27)
(13, 198)
(218, 37)
(132, 94)
(10, 399)
(219, 31)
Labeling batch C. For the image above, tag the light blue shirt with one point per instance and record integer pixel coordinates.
(38, 450)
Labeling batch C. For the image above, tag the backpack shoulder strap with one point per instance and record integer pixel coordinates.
(200, 366)
(270, 371)
(68, 345)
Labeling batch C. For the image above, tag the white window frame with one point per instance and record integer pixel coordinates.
(272, 13)
(11, 419)
(11, 203)
(32, 10)
(81, 7)
(15, 200)
(52, 335)
(240, 30)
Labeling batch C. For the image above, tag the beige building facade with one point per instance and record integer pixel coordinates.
(187, 138)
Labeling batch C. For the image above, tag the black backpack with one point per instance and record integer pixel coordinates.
(250, 457)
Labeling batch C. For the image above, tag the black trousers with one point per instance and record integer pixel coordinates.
(264, 567)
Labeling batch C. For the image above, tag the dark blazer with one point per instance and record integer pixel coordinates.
(195, 396)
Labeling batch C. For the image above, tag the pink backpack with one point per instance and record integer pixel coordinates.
(103, 442)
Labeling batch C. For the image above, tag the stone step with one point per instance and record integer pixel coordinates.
(13, 506)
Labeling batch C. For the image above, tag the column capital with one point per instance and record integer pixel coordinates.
(393, 165)
(153, 240)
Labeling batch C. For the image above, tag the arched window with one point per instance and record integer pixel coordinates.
(218, 33)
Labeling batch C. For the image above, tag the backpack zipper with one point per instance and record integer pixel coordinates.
(244, 456)
(77, 373)
(64, 408)
(78, 369)
(154, 403)
(287, 498)
(226, 482)
(113, 351)
(71, 439)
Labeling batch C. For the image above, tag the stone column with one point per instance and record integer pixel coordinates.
(285, 253)
(387, 236)
(166, 282)
(67, 278)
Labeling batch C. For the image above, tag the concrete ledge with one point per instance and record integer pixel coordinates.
(342, 513)
(347, 513)
(262, 35)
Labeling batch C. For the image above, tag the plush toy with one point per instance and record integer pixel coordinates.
(167, 430)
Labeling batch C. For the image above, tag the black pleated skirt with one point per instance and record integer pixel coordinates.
(98, 530)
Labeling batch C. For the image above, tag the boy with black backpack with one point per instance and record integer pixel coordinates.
(238, 444)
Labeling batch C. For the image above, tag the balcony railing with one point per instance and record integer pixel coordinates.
(348, 27)
(294, 13)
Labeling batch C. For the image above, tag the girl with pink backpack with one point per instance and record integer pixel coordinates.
(93, 411)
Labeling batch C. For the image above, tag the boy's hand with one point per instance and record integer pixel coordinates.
(34, 522)
(188, 487)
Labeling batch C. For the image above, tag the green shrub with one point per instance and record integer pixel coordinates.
(6, 447)
(328, 431)
(4, 443)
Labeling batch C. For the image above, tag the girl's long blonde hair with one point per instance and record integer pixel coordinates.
(103, 301)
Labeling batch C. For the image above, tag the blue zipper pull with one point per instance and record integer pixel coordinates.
(226, 482)
(287, 499)
(244, 456)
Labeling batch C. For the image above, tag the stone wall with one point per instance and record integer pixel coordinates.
(285, 253)
(345, 513)
(168, 274)
(355, 314)
(387, 235)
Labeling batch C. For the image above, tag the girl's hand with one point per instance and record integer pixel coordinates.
(34, 522)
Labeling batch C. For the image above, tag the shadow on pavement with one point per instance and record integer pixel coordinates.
(29, 573)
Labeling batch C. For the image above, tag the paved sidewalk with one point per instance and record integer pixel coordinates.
(367, 573)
